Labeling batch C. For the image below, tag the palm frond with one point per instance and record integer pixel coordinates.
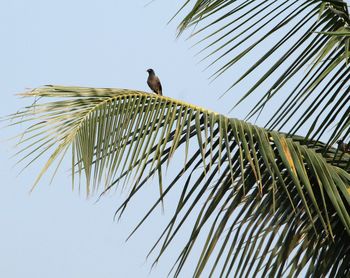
(246, 185)
(311, 71)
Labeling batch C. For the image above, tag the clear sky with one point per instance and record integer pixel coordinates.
(108, 43)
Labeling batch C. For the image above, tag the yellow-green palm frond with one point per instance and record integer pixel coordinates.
(263, 201)
(294, 58)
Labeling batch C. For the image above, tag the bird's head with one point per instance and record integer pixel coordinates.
(150, 71)
(340, 141)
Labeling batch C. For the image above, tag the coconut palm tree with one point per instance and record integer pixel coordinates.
(268, 202)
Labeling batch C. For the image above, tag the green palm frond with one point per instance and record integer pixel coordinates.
(305, 63)
(263, 201)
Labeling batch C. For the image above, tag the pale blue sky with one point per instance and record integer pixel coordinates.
(108, 43)
(54, 232)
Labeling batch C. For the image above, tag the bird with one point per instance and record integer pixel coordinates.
(343, 146)
(154, 82)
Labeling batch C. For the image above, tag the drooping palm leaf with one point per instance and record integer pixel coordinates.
(311, 71)
(246, 184)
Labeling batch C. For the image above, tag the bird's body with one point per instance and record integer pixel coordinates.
(343, 146)
(154, 82)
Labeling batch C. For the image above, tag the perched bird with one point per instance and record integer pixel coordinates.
(154, 82)
(343, 146)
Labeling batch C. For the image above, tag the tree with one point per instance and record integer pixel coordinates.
(269, 202)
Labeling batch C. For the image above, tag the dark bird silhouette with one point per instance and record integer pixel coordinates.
(154, 82)
(343, 146)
